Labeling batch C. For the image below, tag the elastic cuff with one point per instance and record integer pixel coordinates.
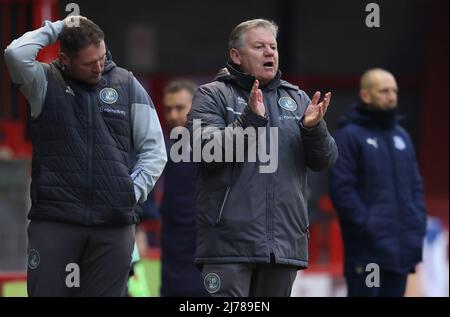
(317, 129)
(253, 119)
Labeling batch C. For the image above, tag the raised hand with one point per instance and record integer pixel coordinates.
(256, 100)
(315, 112)
(73, 20)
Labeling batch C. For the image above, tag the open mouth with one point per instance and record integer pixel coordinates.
(268, 64)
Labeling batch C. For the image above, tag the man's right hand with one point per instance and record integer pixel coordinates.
(256, 100)
(73, 20)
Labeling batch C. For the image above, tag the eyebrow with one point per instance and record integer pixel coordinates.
(91, 62)
(263, 42)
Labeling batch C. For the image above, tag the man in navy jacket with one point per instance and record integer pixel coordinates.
(179, 276)
(377, 191)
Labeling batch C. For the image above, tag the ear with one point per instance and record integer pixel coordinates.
(64, 59)
(365, 96)
(235, 56)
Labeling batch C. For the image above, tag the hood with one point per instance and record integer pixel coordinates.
(232, 73)
(109, 64)
(360, 114)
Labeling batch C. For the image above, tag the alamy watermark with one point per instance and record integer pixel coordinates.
(74, 13)
(231, 144)
(73, 278)
(373, 278)
(373, 18)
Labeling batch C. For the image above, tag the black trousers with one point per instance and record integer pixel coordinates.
(248, 279)
(71, 260)
(392, 284)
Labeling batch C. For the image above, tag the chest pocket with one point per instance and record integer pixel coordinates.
(235, 104)
(114, 109)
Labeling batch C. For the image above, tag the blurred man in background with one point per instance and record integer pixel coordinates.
(252, 225)
(87, 115)
(180, 277)
(377, 191)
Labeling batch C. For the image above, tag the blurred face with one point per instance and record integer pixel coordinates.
(87, 66)
(258, 55)
(176, 107)
(382, 94)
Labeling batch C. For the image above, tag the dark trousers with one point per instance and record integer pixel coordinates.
(71, 260)
(248, 279)
(392, 284)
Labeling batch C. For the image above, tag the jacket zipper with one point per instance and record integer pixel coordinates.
(394, 175)
(90, 144)
(269, 202)
(223, 205)
(269, 211)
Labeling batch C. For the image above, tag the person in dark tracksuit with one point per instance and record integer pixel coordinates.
(377, 191)
(252, 218)
(87, 117)
(179, 275)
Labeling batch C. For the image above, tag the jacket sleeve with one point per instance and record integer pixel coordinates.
(25, 71)
(212, 116)
(320, 148)
(418, 190)
(343, 181)
(148, 143)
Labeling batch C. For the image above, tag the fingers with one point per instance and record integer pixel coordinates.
(315, 98)
(259, 96)
(253, 92)
(73, 20)
(256, 94)
(326, 100)
(323, 106)
(254, 88)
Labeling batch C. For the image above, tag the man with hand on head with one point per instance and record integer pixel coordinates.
(87, 116)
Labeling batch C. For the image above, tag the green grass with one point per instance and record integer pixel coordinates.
(15, 289)
(145, 283)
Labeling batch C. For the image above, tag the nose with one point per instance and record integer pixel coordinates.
(392, 96)
(269, 51)
(98, 68)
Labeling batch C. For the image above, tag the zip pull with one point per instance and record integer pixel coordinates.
(223, 205)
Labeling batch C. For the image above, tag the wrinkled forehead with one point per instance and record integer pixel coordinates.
(259, 34)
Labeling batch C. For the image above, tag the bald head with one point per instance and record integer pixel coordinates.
(378, 89)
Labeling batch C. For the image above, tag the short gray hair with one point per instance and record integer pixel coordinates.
(236, 36)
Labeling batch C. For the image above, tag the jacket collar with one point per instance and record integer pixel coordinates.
(362, 114)
(233, 73)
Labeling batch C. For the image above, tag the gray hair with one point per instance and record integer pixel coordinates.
(236, 36)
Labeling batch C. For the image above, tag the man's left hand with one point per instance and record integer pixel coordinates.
(315, 112)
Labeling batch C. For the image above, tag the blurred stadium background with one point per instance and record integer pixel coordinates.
(324, 45)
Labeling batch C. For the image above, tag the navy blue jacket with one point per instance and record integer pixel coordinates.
(377, 191)
(180, 277)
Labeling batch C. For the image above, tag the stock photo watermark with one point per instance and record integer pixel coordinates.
(226, 146)
(74, 13)
(373, 278)
(373, 18)
(73, 278)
